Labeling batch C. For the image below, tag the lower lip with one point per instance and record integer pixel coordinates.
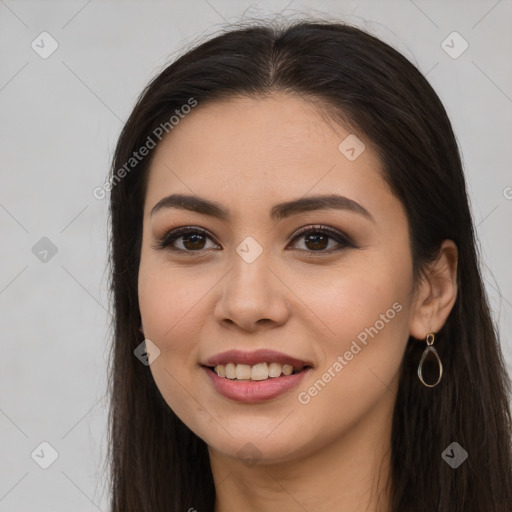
(254, 390)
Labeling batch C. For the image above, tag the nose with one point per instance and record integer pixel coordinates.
(252, 297)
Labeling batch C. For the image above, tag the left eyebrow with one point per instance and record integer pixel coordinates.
(279, 211)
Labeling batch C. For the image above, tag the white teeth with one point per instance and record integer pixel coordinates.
(243, 371)
(287, 369)
(274, 369)
(260, 371)
(230, 371)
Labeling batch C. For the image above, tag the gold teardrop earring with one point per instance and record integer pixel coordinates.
(430, 349)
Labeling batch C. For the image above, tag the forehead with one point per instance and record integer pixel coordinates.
(246, 150)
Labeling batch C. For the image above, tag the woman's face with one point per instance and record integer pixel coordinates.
(338, 303)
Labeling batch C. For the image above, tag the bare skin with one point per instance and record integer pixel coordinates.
(331, 451)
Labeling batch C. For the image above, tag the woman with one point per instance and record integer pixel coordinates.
(300, 322)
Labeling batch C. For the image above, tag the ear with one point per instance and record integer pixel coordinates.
(436, 293)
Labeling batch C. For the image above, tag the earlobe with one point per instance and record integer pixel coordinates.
(437, 293)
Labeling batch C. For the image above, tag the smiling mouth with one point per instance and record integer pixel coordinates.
(256, 372)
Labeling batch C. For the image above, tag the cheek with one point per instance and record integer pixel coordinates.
(366, 313)
(170, 303)
(362, 359)
(352, 300)
(169, 299)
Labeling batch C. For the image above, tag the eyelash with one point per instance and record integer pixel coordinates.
(170, 236)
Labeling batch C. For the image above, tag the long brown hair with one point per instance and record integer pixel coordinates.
(157, 464)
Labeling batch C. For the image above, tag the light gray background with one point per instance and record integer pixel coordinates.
(59, 120)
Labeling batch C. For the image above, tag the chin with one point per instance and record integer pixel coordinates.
(250, 446)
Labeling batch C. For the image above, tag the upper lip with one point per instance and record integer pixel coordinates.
(255, 357)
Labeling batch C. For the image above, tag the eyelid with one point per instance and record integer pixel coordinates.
(173, 234)
(332, 232)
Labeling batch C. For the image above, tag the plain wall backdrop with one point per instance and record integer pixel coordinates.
(60, 115)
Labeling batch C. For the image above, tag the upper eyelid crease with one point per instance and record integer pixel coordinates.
(278, 212)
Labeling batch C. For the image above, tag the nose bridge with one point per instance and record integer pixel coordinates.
(249, 277)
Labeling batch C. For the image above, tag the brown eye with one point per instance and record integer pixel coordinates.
(191, 240)
(317, 239)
